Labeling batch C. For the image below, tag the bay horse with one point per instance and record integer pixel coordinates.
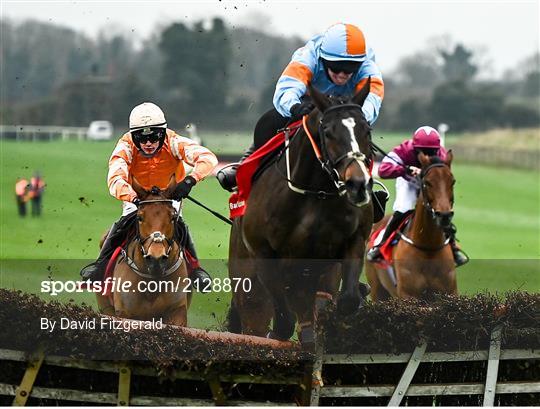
(423, 263)
(153, 263)
(306, 224)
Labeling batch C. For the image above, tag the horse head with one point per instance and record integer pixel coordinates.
(344, 138)
(437, 185)
(155, 225)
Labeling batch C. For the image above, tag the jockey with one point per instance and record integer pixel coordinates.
(403, 164)
(337, 63)
(151, 153)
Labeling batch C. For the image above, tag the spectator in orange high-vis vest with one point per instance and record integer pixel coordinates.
(151, 153)
(21, 195)
(37, 186)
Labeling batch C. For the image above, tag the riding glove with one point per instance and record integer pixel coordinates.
(136, 201)
(184, 187)
(302, 108)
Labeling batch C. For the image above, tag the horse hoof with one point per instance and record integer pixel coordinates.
(348, 305)
(365, 289)
(273, 335)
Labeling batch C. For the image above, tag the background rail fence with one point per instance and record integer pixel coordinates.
(523, 159)
(41, 133)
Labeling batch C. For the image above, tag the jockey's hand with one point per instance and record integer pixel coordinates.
(302, 108)
(184, 187)
(136, 201)
(413, 171)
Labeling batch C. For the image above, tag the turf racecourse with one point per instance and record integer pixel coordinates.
(496, 214)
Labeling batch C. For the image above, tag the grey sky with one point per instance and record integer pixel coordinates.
(501, 32)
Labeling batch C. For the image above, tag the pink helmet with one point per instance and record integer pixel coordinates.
(426, 137)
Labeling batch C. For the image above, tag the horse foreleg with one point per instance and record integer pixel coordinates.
(105, 305)
(378, 293)
(177, 316)
(350, 297)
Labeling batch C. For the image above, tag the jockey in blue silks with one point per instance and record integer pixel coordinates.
(337, 63)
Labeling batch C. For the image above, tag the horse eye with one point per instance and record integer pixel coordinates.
(139, 219)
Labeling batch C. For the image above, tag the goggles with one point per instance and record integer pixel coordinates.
(152, 134)
(347, 67)
(427, 151)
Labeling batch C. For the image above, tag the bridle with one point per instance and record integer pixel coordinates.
(431, 211)
(423, 187)
(154, 237)
(328, 164)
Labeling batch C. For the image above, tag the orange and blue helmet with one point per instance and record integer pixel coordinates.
(343, 42)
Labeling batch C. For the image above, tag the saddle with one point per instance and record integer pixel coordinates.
(387, 247)
(254, 166)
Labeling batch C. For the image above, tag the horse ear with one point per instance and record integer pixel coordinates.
(424, 159)
(361, 95)
(141, 192)
(320, 100)
(169, 190)
(449, 157)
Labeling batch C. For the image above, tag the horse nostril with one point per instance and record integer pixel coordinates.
(164, 257)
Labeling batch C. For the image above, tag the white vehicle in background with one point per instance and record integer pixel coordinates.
(99, 131)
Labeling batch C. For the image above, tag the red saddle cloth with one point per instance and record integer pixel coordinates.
(244, 175)
(387, 247)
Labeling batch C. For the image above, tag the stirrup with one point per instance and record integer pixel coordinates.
(374, 254)
(201, 280)
(460, 257)
(93, 271)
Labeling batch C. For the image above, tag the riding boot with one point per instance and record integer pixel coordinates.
(227, 176)
(116, 236)
(374, 254)
(197, 275)
(460, 257)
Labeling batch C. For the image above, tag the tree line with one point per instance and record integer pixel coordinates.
(224, 78)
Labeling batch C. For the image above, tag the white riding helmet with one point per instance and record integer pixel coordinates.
(147, 115)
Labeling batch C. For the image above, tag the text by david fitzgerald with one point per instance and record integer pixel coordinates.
(101, 323)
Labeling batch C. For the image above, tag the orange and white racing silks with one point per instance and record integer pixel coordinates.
(127, 162)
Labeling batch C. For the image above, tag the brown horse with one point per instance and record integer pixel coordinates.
(423, 263)
(306, 224)
(153, 264)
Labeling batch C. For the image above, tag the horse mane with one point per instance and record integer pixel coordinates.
(435, 159)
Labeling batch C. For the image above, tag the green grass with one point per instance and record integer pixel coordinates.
(496, 213)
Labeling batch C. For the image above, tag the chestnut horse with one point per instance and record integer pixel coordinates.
(153, 263)
(306, 224)
(423, 263)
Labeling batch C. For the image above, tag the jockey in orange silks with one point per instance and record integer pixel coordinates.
(151, 153)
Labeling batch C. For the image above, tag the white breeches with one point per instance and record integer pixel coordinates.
(406, 195)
